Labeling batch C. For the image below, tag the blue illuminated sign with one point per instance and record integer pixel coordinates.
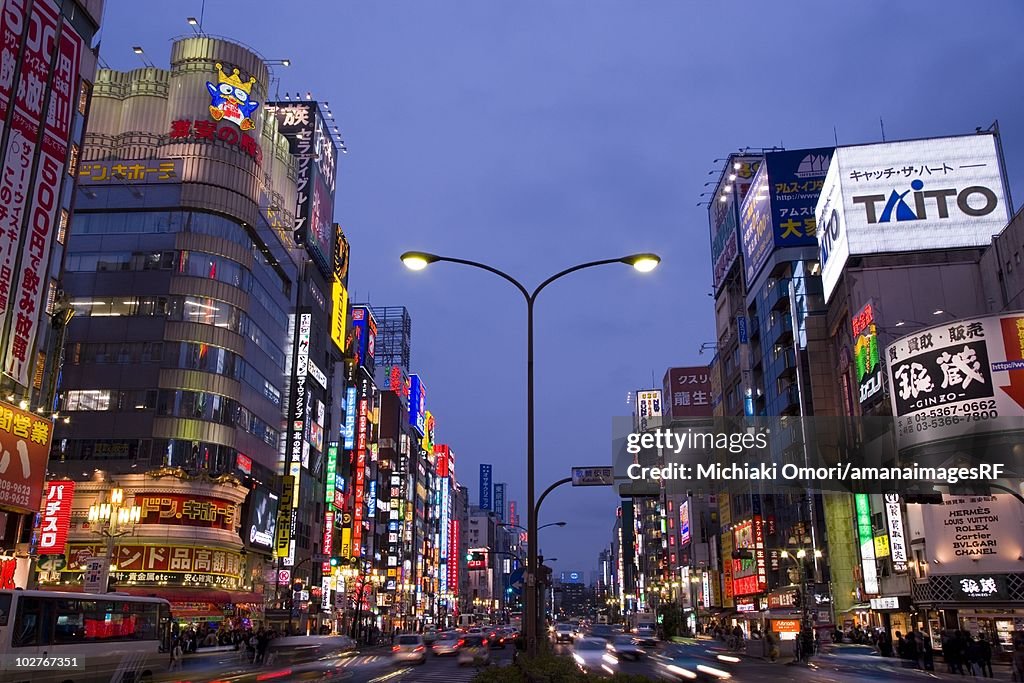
(348, 431)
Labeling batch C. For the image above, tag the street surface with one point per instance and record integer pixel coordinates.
(844, 664)
(369, 666)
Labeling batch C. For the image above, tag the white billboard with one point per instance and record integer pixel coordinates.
(913, 195)
(970, 533)
(957, 378)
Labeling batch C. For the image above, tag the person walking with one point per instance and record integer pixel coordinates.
(985, 657)
(177, 654)
(773, 644)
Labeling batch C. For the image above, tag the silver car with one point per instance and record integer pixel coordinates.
(591, 656)
(409, 648)
(446, 643)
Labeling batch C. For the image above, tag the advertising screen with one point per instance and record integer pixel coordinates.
(914, 195)
(723, 213)
(260, 526)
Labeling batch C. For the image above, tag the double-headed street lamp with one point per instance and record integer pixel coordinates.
(418, 260)
(114, 519)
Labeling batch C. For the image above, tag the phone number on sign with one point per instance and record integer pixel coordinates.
(946, 416)
(12, 663)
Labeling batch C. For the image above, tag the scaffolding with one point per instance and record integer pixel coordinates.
(394, 336)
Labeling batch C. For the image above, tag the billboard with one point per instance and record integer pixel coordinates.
(866, 538)
(914, 195)
(25, 441)
(310, 141)
(867, 362)
(648, 405)
(688, 391)
(261, 521)
(485, 487)
(283, 534)
(968, 533)
(723, 214)
(972, 369)
(499, 501)
(417, 404)
(364, 331)
(779, 209)
(339, 312)
(898, 545)
(56, 517)
(684, 523)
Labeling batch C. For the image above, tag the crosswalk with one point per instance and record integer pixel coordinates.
(360, 660)
(440, 675)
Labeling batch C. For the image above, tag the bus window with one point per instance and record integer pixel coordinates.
(70, 627)
(26, 626)
(5, 608)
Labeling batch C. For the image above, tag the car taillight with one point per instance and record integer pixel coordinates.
(419, 648)
(396, 648)
(485, 642)
(460, 643)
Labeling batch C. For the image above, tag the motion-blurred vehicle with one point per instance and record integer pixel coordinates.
(429, 636)
(292, 649)
(564, 633)
(692, 662)
(473, 650)
(446, 643)
(409, 647)
(591, 655)
(625, 647)
(602, 631)
(647, 633)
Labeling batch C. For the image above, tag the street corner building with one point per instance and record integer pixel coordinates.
(204, 289)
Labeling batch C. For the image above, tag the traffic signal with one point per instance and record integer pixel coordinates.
(335, 561)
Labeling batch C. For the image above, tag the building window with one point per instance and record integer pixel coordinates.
(84, 90)
(62, 226)
(88, 399)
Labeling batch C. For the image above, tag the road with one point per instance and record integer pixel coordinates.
(374, 666)
(843, 665)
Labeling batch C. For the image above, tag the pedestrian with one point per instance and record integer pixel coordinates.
(973, 655)
(773, 645)
(912, 654)
(177, 654)
(901, 646)
(927, 653)
(885, 644)
(985, 657)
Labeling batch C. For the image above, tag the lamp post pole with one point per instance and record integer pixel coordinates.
(643, 263)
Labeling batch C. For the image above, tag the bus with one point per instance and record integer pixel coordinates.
(52, 637)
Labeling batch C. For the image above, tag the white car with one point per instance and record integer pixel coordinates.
(591, 656)
(409, 648)
(564, 632)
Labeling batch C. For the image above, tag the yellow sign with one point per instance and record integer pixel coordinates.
(282, 541)
(346, 542)
(339, 312)
(881, 546)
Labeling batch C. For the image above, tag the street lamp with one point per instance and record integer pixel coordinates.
(644, 263)
(115, 519)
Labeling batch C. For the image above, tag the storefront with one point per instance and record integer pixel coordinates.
(892, 614)
(985, 605)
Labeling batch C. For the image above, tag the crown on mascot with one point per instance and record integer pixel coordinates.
(234, 80)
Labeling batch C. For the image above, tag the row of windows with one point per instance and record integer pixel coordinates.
(200, 310)
(162, 222)
(196, 405)
(60, 621)
(180, 355)
(191, 263)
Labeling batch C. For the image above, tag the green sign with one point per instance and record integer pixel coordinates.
(863, 506)
(332, 469)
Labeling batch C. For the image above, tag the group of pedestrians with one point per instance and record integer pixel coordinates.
(965, 654)
(251, 644)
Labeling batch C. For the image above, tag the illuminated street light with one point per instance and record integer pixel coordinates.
(418, 260)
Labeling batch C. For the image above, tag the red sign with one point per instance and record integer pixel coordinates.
(25, 447)
(441, 451)
(864, 317)
(359, 478)
(759, 553)
(56, 517)
(243, 463)
(453, 556)
(687, 391)
(186, 510)
(8, 568)
(208, 131)
(23, 137)
(746, 585)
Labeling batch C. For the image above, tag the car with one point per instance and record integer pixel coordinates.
(647, 633)
(625, 647)
(602, 631)
(688, 662)
(446, 643)
(472, 649)
(591, 655)
(429, 636)
(409, 647)
(563, 633)
(294, 649)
